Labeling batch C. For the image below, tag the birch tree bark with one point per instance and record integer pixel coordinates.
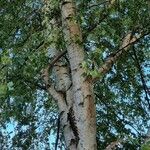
(83, 105)
(79, 129)
(73, 93)
(51, 52)
(60, 85)
(71, 89)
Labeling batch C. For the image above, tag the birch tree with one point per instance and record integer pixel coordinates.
(85, 59)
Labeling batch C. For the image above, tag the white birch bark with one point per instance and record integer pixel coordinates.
(72, 92)
(83, 100)
(61, 87)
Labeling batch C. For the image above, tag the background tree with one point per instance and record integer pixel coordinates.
(47, 47)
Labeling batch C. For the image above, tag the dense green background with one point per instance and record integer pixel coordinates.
(122, 96)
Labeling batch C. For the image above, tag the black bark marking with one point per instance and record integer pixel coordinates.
(58, 129)
(73, 124)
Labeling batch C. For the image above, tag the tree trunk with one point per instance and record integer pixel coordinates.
(73, 92)
(82, 110)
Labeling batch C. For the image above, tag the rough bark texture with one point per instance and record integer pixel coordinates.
(60, 85)
(69, 88)
(82, 111)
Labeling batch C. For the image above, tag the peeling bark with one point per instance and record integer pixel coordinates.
(83, 100)
(72, 91)
(61, 87)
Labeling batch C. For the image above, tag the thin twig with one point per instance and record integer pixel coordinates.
(142, 77)
(113, 110)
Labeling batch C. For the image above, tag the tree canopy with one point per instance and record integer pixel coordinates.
(122, 95)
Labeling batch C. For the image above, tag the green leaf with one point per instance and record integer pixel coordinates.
(3, 89)
(146, 146)
(94, 73)
(6, 60)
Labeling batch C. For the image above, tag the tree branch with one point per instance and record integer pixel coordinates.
(128, 40)
(142, 78)
(92, 27)
(42, 87)
(45, 74)
(113, 145)
(55, 88)
(3, 67)
(57, 96)
(56, 59)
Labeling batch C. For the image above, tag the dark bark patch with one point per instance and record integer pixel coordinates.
(73, 124)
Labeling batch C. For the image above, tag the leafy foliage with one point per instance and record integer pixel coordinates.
(122, 104)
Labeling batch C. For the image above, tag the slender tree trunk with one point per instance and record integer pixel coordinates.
(72, 92)
(82, 112)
